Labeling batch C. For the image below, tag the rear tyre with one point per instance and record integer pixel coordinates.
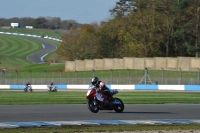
(118, 107)
(93, 106)
(25, 90)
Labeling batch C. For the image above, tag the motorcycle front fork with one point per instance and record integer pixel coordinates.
(94, 102)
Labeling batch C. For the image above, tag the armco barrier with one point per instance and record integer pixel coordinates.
(173, 87)
(119, 87)
(4, 86)
(146, 87)
(192, 88)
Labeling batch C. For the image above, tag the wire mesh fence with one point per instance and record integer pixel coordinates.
(129, 76)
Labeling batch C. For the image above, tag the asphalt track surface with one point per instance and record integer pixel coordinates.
(47, 48)
(78, 112)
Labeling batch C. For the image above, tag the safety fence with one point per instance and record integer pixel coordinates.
(119, 77)
(144, 80)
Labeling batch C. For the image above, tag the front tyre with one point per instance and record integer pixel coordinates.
(118, 105)
(93, 106)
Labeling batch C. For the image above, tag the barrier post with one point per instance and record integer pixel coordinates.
(45, 76)
(111, 76)
(3, 76)
(16, 76)
(60, 76)
(30, 76)
(146, 73)
(76, 76)
(198, 75)
(93, 72)
(128, 76)
(180, 75)
(162, 75)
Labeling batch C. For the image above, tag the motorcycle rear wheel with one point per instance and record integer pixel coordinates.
(92, 107)
(118, 107)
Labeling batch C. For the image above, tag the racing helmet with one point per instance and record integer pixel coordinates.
(94, 81)
(51, 83)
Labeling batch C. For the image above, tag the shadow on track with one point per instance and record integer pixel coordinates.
(145, 112)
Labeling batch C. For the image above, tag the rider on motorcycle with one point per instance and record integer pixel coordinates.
(101, 88)
(51, 86)
(27, 84)
(28, 87)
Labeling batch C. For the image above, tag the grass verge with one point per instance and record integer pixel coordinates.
(14, 50)
(104, 128)
(72, 97)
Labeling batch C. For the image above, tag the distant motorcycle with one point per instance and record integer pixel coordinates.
(94, 105)
(28, 88)
(52, 88)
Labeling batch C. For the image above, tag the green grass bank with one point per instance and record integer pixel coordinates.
(75, 97)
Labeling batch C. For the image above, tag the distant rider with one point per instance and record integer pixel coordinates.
(27, 84)
(51, 86)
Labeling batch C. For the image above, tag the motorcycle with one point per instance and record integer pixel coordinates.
(52, 88)
(94, 105)
(28, 88)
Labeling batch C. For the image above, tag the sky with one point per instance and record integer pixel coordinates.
(82, 11)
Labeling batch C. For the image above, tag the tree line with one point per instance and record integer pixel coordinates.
(41, 23)
(139, 28)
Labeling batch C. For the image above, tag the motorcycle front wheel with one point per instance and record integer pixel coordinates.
(118, 107)
(93, 106)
